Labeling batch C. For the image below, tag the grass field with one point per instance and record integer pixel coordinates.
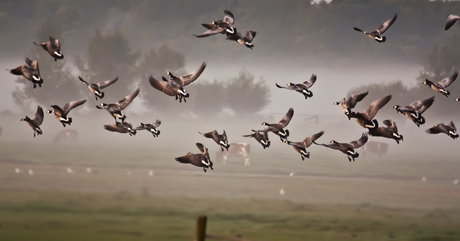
(325, 197)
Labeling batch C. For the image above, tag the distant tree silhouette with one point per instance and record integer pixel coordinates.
(108, 56)
(245, 96)
(59, 86)
(208, 97)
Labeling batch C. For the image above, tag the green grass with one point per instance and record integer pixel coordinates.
(328, 198)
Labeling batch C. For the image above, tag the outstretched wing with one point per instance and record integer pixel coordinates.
(187, 79)
(212, 134)
(452, 125)
(439, 128)
(451, 20)
(387, 24)
(55, 42)
(289, 87)
(162, 86)
(448, 80)
(123, 103)
(228, 17)
(106, 83)
(287, 118)
(352, 100)
(39, 116)
(309, 83)
(69, 106)
(311, 139)
(376, 105)
(361, 141)
(422, 105)
(210, 32)
(249, 36)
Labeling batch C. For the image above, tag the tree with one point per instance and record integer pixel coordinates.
(108, 56)
(245, 96)
(59, 86)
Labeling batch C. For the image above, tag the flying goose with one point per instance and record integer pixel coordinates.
(95, 88)
(221, 140)
(53, 47)
(349, 103)
(150, 127)
(377, 34)
(36, 122)
(116, 108)
(348, 148)
(451, 20)
(221, 26)
(261, 137)
(278, 128)
(415, 110)
(200, 160)
(448, 129)
(30, 71)
(61, 113)
(121, 127)
(389, 131)
(442, 85)
(301, 146)
(245, 40)
(366, 118)
(175, 85)
(302, 88)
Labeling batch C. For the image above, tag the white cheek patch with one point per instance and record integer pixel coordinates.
(36, 78)
(182, 92)
(57, 53)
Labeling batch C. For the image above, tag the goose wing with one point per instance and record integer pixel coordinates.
(82, 80)
(452, 126)
(189, 158)
(361, 141)
(69, 106)
(117, 127)
(448, 80)
(391, 125)
(311, 139)
(422, 105)
(309, 83)
(387, 24)
(375, 106)
(228, 17)
(352, 100)
(249, 36)
(438, 128)
(212, 134)
(39, 115)
(212, 31)
(187, 79)
(123, 103)
(334, 145)
(162, 86)
(287, 118)
(55, 43)
(451, 20)
(106, 83)
(289, 87)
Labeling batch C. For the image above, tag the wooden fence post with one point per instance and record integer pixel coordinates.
(200, 232)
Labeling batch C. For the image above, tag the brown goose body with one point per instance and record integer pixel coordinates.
(30, 71)
(301, 146)
(61, 113)
(348, 148)
(36, 122)
(200, 160)
(261, 137)
(53, 47)
(115, 109)
(220, 139)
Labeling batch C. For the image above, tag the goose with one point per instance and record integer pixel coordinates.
(451, 20)
(121, 127)
(221, 26)
(448, 129)
(348, 148)
(115, 109)
(245, 39)
(36, 122)
(95, 88)
(366, 118)
(61, 113)
(30, 71)
(150, 127)
(377, 34)
(175, 85)
(278, 128)
(389, 131)
(349, 103)
(261, 137)
(200, 160)
(442, 85)
(301, 146)
(415, 110)
(302, 88)
(53, 47)
(221, 140)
